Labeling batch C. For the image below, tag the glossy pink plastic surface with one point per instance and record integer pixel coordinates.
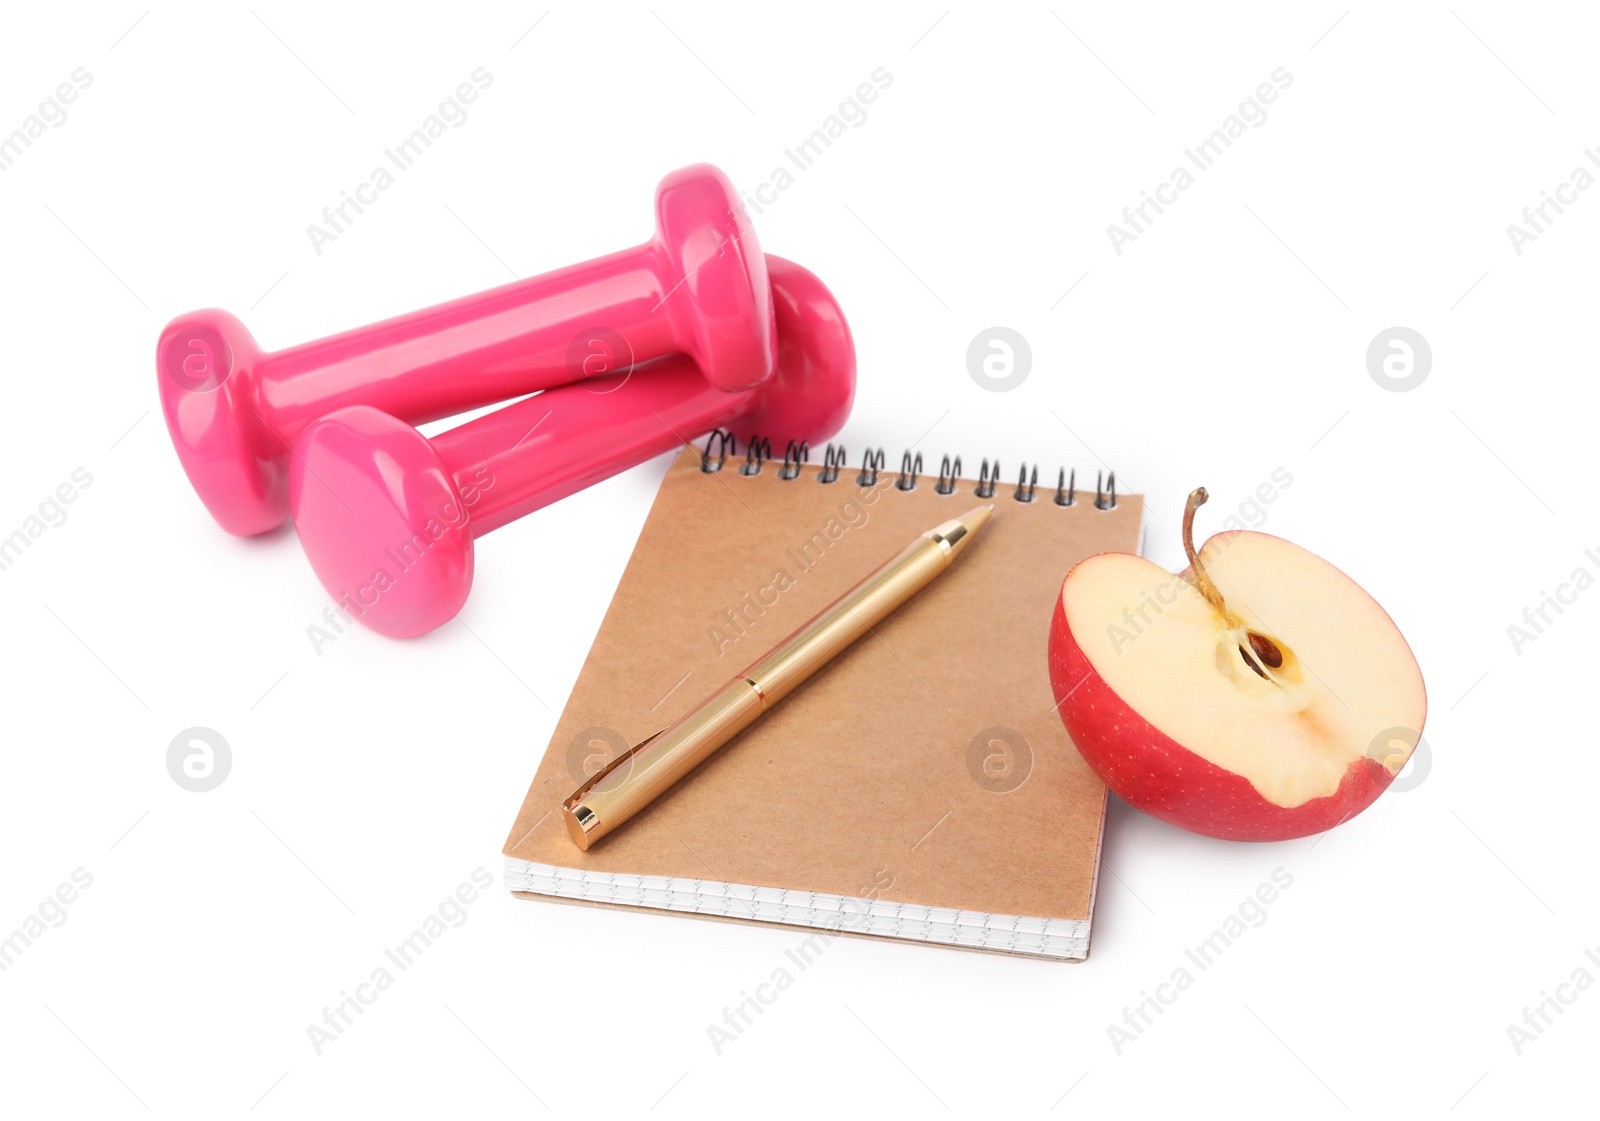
(387, 517)
(699, 288)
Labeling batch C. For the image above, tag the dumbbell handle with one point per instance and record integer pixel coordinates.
(475, 350)
(542, 449)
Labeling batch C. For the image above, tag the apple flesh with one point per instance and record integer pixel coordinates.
(1258, 695)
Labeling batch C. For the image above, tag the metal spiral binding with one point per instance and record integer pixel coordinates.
(832, 461)
(798, 454)
(725, 444)
(873, 463)
(755, 453)
(1025, 485)
(986, 481)
(909, 470)
(793, 456)
(1108, 500)
(1067, 490)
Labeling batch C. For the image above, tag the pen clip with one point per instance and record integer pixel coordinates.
(576, 797)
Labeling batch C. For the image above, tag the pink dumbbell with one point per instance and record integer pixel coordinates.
(387, 516)
(699, 287)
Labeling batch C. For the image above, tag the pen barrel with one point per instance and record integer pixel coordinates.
(663, 760)
(653, 766)
(833, 629)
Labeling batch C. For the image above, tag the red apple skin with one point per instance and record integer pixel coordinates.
(1153, 773)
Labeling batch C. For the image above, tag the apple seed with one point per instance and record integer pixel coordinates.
(1251, 662)
(1266, 649)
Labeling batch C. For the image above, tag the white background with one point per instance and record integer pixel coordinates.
(372, 778)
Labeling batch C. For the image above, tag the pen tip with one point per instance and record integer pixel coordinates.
(957, 533)
(977, 517)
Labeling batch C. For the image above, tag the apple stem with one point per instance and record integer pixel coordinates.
(1261, 651)
(1198, 498)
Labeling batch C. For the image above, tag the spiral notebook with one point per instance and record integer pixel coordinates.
(921, 787)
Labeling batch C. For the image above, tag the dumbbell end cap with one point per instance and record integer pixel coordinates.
(810, 396)
(715, 278)
(204, 366)
(381, 522)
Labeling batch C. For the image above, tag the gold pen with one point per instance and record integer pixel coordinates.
(616, 793)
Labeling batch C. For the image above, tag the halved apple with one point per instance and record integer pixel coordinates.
(1258, 695)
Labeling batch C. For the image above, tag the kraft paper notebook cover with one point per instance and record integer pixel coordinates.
(920, 787)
